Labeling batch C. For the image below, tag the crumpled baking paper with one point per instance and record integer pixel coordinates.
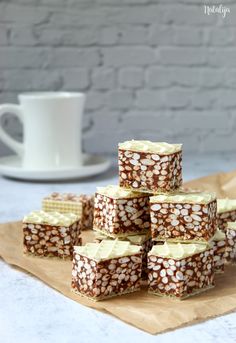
(145, 311)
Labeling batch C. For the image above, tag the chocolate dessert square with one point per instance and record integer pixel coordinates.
(82, 205)
(182, 217)
(143, 240)
(151, 167)
(106, 269)
(120, 212)
(51, 234)
(180, 270)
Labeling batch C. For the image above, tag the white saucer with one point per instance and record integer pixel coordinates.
(11, 166)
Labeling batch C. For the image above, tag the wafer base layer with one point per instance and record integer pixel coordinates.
(195, 292)
(48, 257)
(106, 297)
(144, 190)
(120, 235)
(175, 240)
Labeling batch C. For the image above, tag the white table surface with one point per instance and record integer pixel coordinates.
(30, 311)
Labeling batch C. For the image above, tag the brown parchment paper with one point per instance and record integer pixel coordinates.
(140, 309)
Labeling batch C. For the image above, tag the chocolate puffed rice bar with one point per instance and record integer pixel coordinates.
(82, 205)
(106, 269)
(218, 243)
(226, 212)
(183, 217)
(51, 234)
(151, 167)
(180, 270)
(120, 212)
(63, 203)
(143, 240)
(230, 252)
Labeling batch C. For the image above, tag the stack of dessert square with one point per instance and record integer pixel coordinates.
(55, 230)
(149, 203)
(118, 259)
(122, 214)
(187, 222)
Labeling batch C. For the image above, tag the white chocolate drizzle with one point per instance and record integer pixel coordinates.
(107, 249)
(116, 192)
(184, 197)
(177, 250)
(161, 148)
(51, 218)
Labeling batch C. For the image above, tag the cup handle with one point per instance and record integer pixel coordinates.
(4, 136)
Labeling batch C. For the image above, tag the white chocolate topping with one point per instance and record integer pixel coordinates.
(218, 236)
(225, 205)
(107, 249)
(231, 225)
(177, 251)
(161, 148)
(116, 192)
(51, 218)
(181, 197)
(134, 239)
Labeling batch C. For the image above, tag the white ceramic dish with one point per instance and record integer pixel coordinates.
(11, 166)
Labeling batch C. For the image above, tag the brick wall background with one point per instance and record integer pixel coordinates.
(161, 70)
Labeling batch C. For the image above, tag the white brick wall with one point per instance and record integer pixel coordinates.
(155, 69)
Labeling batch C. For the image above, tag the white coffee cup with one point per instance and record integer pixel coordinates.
(52, 127)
